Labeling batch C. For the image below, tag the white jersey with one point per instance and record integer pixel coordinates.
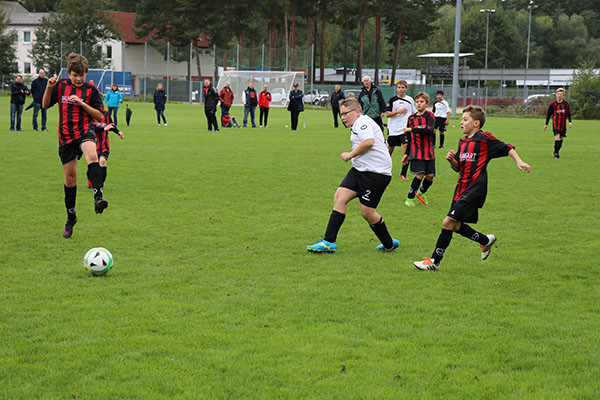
(441, 109)
(397, 123)
(377, 159)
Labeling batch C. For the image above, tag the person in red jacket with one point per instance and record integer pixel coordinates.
(264, 98)
(226, 98)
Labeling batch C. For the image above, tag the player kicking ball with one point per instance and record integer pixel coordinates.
(475, 150)
(370, 174)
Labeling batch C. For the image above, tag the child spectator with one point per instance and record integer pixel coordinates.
(264, 98)
(441, 111)
(113, 99)
(160, 99)
(399, 109)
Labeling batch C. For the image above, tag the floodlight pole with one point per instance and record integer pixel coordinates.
(455, 87)
(145, 67)
(487, 12)
(530, 7)
(168, 67)
(190, 76)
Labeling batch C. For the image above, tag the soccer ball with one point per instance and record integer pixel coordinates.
(98, 261)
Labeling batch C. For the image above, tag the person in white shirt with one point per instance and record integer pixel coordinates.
(370, 174)
(441, 111)
(399, 108)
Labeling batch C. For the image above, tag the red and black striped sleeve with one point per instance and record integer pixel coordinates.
(496, 148)
(550, 112)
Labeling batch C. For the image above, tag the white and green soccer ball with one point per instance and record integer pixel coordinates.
(98, 261)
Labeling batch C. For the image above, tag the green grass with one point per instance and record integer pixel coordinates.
(213, 294)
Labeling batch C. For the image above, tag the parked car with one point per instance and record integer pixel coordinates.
(354, 91)
(533, 97)
(279, 96)
(317, 97)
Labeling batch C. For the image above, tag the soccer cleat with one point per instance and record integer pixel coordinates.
(68, 230)
(322, 246)
(409, 203)
(487, 249)
(100, 204)
(441, 147)
(556, 155)
(165, 124)
(422, 198)
(428, 264)
(395, 245)
(404, 177)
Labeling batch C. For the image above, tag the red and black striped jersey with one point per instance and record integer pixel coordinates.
(473, 156)
(561, 112)
(102, 143)
(73, 121)
(420, 143)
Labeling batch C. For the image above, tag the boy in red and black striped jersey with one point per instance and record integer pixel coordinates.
(79, 104)
(561, 112)
(103, 145)
(419, 151)
(475, 150)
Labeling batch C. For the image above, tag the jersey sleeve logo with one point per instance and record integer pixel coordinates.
(363, 127)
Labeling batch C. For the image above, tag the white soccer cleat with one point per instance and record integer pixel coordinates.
(487, 249)
(428, 264)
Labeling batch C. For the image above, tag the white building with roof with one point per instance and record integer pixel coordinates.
(22, 25)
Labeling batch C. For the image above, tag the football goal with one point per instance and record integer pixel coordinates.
(279, 84)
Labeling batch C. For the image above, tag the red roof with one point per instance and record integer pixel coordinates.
(125, 23)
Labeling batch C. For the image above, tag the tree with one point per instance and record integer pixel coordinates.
(77, 24)
(585, 91)
(7, 49)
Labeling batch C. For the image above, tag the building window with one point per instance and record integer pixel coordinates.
(27, 68)
(109, 52)
(26, 37)
(15, 35)
(16, 67)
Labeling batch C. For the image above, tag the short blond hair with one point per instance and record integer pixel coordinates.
(560, 89)
(352, 104)
(422, 95)
(476, 113)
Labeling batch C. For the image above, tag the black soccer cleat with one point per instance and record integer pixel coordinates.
(100, 204)
(68, 230)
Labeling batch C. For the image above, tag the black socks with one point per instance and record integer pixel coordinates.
(442, 244)
(404, 170)
(442, 136)
(94, 175)
(70, 197)
(426, 185)
(382, 234)
(470, 233)
(336, 219)
(414, 186)
(557, 146)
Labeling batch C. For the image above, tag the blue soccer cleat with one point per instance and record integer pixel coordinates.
(395, 245)
(322, 246)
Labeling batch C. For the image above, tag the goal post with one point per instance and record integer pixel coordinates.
(279, 83)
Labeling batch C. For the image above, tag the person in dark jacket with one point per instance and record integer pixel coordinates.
(372, 102)
(211, 99)
(18, 92)
(160, 99)
(336, 96)
(296, 105)
(38, 87)
(250, 100)
(226, 98)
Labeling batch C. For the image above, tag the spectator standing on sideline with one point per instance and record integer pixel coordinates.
(336, 96)
(441, 111)
(160, 99)
(372, 102)
(296, 105)
(226, 98)
(211, 99)
(113, 98)
(38, 87)
(18, 92)
(250, 100)
(264, 98)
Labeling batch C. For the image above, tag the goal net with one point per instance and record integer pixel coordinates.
(279, 84)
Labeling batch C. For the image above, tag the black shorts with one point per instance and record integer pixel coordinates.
(426, 167)
(462, 210)
(369, 186)
(72, 150)
(396, 140)
(561, 133)
(440, 123)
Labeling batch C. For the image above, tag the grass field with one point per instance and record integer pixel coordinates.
(213, 294)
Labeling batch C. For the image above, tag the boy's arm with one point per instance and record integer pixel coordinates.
(47, 99)
(363, 147)
(447, 117)
(548, 115)
(428, 129)
(94, 113)
(520, 164)
(451, 157)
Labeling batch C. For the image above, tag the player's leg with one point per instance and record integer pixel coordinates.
(102, 160)
(404, 167)
(94, 174)
(435, 131)
(432, 263)
(70, 170)
(414, 186)
(336, 219)
(558, 142)
(377, 225)
(266, 117)
(442, 135)
(426, 184)
(485, 241)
